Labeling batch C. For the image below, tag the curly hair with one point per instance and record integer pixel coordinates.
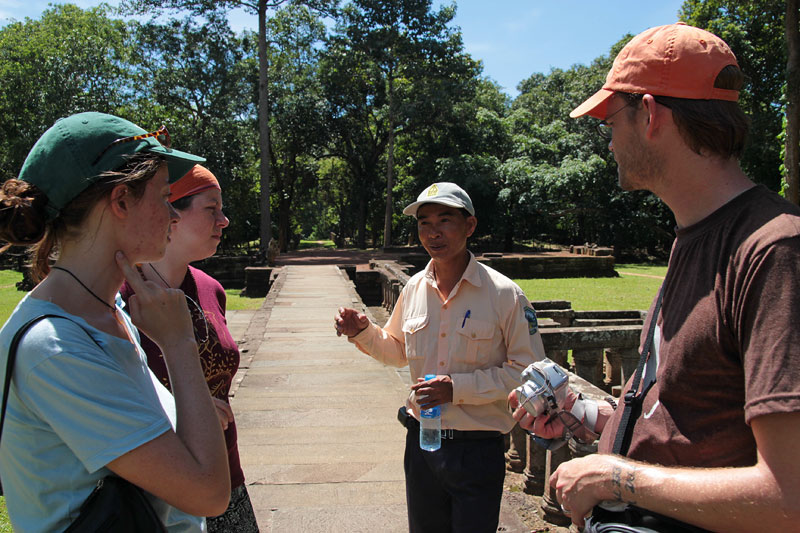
(23, 218)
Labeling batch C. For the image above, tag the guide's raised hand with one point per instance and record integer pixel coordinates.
(349, 322)
(161, 313)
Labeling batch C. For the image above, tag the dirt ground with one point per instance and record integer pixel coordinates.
(527, 506)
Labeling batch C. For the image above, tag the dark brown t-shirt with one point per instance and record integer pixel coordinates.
(728, 343)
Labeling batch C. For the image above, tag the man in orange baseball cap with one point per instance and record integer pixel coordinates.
(705, 437)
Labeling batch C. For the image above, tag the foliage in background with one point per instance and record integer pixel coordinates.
(67, 61)
(342, 90)
(199, 79)
(297, 127)
(755, 32)
(392, 71)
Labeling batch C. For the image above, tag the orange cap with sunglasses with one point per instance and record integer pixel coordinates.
(76, 150)
(676, 60)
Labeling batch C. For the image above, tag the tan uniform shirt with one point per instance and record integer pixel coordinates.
(483, 335)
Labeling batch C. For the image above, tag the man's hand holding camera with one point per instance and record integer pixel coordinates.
(549, 426)
(541, 405)
(546, 406)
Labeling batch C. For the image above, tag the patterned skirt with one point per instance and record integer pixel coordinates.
(238, 518)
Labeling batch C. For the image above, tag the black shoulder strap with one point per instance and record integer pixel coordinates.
(12, 355)
(632, 398)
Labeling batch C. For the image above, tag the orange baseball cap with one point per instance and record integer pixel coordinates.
(675, 60)
(197, 180)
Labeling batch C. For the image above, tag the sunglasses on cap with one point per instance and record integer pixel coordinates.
(161, 135)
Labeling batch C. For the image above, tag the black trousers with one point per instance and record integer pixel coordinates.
(457, 488)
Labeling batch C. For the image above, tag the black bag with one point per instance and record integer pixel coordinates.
(115, 504)
(119, 506)
(634, 519)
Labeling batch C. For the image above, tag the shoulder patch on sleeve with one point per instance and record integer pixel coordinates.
(530, 316)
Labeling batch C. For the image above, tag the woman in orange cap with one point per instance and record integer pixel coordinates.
(197, 197)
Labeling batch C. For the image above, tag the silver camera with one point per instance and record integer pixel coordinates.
(544, 388)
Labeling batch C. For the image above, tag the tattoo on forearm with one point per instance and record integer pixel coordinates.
(617, 483)
(630, 482)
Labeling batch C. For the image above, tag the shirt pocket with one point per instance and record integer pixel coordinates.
(476, 340)
(414, 336)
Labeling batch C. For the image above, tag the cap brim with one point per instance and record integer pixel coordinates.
(411, 209)
(594, 106)
(178, 163)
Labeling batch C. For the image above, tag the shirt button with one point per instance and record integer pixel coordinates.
(444, 306)
(441, 363)
(460, 401)
(444, 334)
(473, 335)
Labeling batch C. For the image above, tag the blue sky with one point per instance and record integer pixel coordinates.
(513, 38)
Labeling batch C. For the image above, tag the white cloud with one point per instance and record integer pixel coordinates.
(484, 47)
(523, 22)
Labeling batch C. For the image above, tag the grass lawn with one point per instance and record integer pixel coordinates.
(315, 244)
(5, 524)
(634, 289)
(9, 295)
(236, 302)
(650, 270)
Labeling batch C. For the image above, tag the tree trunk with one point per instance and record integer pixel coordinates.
(284, 209)
(283, 226)
(361, 230)
(508, 237)
(387, 224)
(265, 231)
(791, 159)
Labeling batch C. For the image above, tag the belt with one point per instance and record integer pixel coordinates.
(456, 434)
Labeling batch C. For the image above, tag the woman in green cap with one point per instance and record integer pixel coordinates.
(82, 403)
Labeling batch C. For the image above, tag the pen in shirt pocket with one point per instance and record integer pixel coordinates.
(466, 316)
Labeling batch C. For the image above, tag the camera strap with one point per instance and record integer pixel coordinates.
(582, 416)
(633, 398)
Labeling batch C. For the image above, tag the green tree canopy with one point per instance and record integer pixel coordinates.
(69, 60)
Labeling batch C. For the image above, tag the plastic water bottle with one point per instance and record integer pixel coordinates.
(430, 426)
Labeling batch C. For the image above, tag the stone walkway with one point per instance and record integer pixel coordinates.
(319, 440)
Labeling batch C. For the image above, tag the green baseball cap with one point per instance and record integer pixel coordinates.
(73, 153)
